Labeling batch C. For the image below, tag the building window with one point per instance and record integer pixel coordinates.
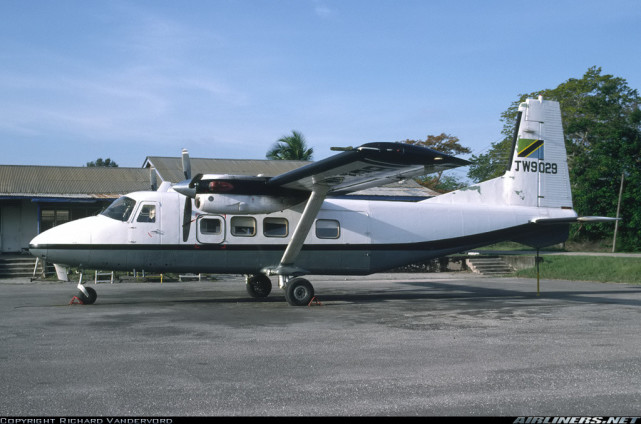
(328, 229)
(275, 227)
(243, 226)
(49, 218)
(52, 214)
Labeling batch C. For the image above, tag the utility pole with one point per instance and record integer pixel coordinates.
(616, 223)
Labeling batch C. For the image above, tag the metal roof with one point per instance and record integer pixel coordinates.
(71, 182)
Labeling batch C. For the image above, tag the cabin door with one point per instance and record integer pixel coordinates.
(145, 227)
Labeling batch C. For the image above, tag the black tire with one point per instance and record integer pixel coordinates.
(259, 286)
(299, 292)
(88, 300)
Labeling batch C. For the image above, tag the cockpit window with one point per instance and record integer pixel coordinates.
(120, 209)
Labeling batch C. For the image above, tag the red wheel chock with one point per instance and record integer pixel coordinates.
(314, 302)
(76, 301)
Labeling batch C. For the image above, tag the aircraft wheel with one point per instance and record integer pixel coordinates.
(299, 292)
(259, 285)
(90, 299)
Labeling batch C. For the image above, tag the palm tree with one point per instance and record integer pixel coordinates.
(291, 147)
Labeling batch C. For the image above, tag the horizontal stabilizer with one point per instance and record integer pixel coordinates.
(573, 219)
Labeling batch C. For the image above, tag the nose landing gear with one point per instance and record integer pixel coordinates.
(86, 295)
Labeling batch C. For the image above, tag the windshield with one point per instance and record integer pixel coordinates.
(120, 209)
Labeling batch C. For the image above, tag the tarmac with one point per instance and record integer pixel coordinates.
(438, 344)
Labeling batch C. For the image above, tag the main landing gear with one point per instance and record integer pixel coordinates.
(259, 285)
(298, 291)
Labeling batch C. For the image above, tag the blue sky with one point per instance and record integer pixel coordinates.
(127, 79)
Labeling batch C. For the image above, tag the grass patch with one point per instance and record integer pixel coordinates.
(506, 246)
(587, 268)
(601, 246)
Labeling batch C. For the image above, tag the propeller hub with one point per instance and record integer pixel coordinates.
(184, 188)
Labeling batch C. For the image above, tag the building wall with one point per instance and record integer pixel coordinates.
(18, 224)
(21, 220)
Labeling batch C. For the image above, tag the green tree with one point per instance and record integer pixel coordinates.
(106, 163)
(449, 145)
(602, 126)
(494, 163)
(292, 147)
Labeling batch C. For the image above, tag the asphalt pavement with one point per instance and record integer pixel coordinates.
(387, 344)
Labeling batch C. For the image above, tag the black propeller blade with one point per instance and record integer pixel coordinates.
(187, 211)
(186, 164)
(187, 219)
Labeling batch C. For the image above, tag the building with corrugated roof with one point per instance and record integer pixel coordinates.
(36, 198)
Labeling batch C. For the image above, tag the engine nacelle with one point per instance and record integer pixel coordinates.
(244, 204)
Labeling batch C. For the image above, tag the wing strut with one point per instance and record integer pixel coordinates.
(286, 267)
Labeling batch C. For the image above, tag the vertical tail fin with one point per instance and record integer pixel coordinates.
(538, 171)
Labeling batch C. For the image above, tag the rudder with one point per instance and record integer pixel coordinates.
(538, 175)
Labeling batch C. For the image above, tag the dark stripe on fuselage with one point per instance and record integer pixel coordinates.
(482, 238)
(330, 258)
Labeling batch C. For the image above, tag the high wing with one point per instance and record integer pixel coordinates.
(370, 165)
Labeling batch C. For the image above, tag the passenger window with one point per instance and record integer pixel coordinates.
(328, 229)
(210, 226)
(243, 226)
(275, 227)
(147, 214)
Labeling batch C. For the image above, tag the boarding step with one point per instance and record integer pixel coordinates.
(16, 266)
(489, 265)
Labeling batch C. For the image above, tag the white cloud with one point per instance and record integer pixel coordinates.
(322, 10)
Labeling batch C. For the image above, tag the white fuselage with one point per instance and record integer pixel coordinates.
(348, 237)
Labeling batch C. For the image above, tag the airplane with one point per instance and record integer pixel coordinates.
(301, 223)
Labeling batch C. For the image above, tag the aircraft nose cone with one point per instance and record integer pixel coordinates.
(39, 245)
(66, 243)
(71, 233)
(45, 239)
(35, 248)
